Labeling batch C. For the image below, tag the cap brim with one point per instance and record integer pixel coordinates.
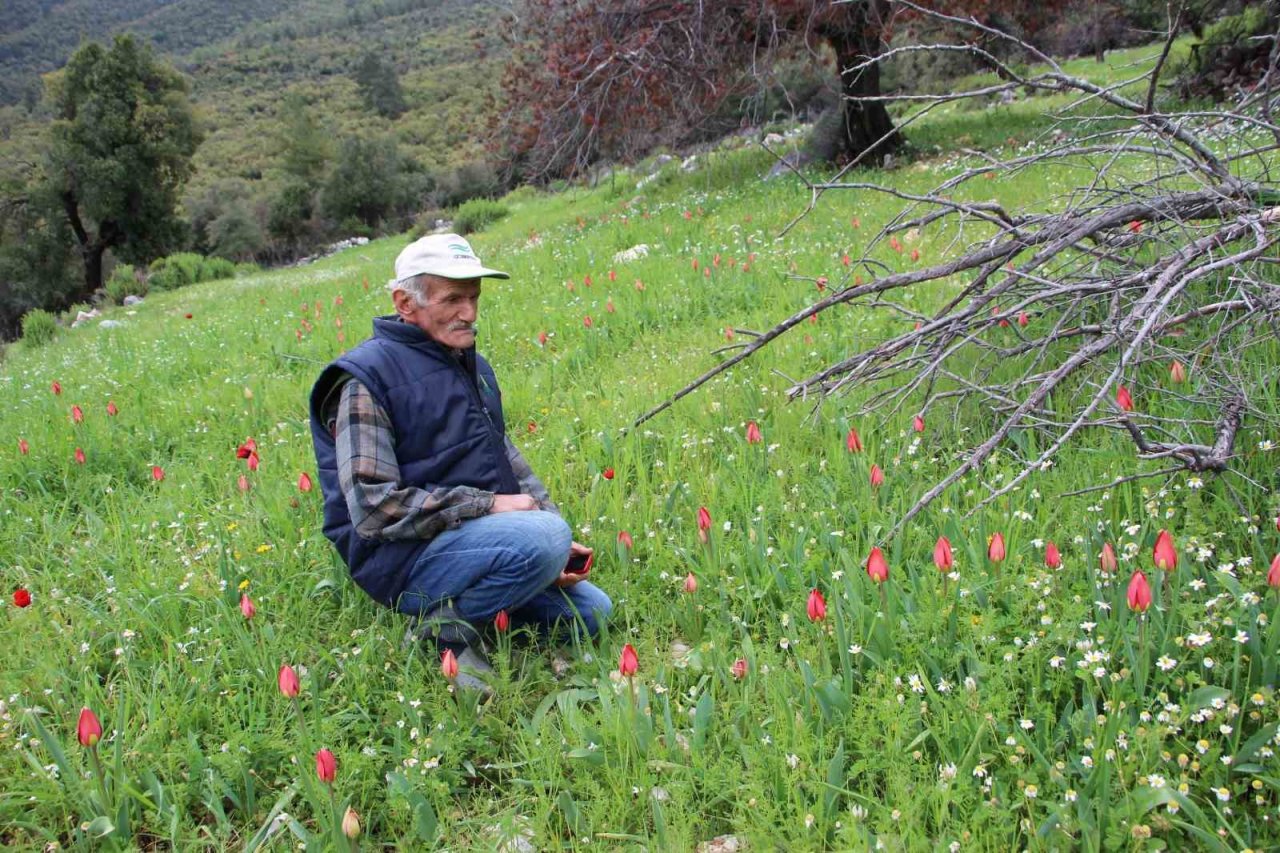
(462, 273)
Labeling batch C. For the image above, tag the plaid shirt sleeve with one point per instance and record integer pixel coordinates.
(381, 507)
(529, 482)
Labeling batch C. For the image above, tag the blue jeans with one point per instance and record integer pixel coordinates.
(505, 561)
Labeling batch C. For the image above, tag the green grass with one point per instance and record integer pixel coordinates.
(927, 723)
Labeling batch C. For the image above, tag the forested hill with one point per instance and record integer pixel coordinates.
(37, 36)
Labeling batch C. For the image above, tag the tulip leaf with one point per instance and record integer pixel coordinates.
(594, 757)
(1206, 696)
(425, 822)
(100, 827)
(702, 716)
(573, 817)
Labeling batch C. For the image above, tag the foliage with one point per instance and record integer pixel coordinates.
(39, 327)
(121, 150)
(236, 235)
(125, 281)
(1233, 55)
(380, 86)
(305, 146)
(364, 183)
(478, 214)
(186, 268)
(37, 267)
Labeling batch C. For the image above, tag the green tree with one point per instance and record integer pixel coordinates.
(122, 142)
(36, 255)
(380, 87)
(304, 146)
(365, 181)
(236, 235)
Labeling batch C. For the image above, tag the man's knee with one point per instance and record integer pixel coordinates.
(594, 610)
(550, 540)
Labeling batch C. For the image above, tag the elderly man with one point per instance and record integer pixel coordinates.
(432, 507)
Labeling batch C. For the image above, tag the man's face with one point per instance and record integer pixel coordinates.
(450, 313)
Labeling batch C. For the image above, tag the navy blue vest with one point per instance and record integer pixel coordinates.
(446, 413)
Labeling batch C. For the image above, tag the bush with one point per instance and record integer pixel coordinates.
(216, 268)
(39, 327)
(175, 271)
(125, 281)
(478, 214)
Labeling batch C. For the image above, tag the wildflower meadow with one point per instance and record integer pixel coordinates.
(187, 666)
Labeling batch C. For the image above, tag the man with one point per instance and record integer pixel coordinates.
(432, 507)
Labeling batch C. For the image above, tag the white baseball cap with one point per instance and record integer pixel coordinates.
(445, 255)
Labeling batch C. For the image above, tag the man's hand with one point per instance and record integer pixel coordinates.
(570, 578)
(513, 503)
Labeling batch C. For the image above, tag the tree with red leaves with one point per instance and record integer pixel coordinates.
(613, 79)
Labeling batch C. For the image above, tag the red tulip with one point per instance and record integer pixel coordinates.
(531, 427)
(846, 260)
(252, 462)
(1107, 559)
(449, 665)
(608, 306)
(77, 415)
(917, 424)
(57, 387)
(88, 729)
(639, 285)
(1052, 558)
(942, 557)
(586, 321)
(877, 566)
(23, 447)
(628, 661)
(816, 607)
(157, 473)
(188, 315)
(502, 621)
(1177, 373)
(608, 473)
(111, 408)
(739, 669)
(728, 333)
(915, 254)
(1139, 593)
(852, 441)
(246, 606)
(624, 538)
(21, 598)
(304, 482)
(542, 339)
(586, 279)
(704, 523)
(1023, 319)
(1135, 226)
(877, 477)
(856, 222)
(247, 449)
(1273, 574)
(1164, 554)
(690, 583)
(1124, 399)
(326, 766)
(753, 433)
(79, 456)
(895, 245)
(287, 681)
(822, 283)
(613, 276)
(995, 548)
(242, 483)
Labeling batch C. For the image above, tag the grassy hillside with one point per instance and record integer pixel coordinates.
(1011, 706)
(244, 58)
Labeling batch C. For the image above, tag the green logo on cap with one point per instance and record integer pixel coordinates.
(461, 247)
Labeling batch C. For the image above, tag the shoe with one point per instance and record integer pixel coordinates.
(442, 625)
(472, 665)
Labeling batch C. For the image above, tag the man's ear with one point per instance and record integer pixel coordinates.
(403, 302)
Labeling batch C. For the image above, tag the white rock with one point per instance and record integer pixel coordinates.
(635, 253)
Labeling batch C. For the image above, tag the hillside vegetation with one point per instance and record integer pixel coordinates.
(1013, 702)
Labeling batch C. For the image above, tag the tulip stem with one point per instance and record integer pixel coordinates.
(98, 778)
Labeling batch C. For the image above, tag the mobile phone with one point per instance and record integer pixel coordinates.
(579, 564)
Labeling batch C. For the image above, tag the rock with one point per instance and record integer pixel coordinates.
(792, 159)
(722, 844)
(131, 299)
(635, 253)
(690, 163)
(1008, 96)
(660, 161)
(775, 139)
(111, 324)
(83, 317)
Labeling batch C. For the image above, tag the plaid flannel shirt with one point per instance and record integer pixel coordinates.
(380, 506)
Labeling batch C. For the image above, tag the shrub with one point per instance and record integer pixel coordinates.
(216, 268)
(477, 214)
(175, 271)
(39, 327)
(125, 281)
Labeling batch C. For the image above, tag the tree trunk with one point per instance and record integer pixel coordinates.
(91, 254)
(866, 123)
